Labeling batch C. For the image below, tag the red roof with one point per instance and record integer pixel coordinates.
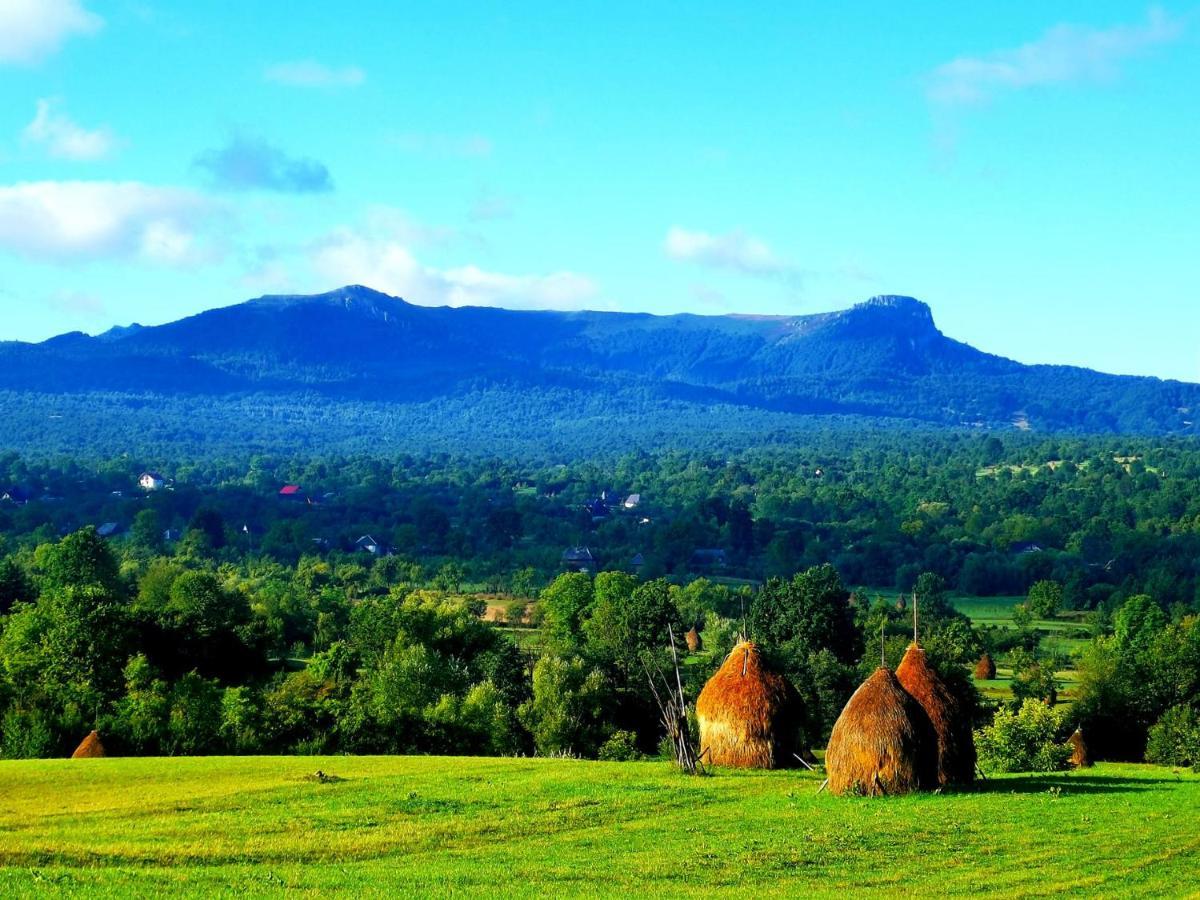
(290, 490)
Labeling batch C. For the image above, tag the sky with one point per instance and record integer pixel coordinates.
(1030, 170)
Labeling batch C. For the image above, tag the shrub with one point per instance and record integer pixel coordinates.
(620, 747)
(1027, 740)
(1175, 738)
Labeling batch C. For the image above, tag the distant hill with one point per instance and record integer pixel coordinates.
(325, 362)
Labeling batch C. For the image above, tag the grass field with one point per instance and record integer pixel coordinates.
(522, 827)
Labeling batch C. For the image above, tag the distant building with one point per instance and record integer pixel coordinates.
(151, 481)
(291, 492)
(15, 495)
(633, 501)
(171, 535)
(368, 544)
(637, 563)
(108, 529)
(597, 509)
(579, 559)
(1022, 547)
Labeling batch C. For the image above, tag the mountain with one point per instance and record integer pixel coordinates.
(356, 349)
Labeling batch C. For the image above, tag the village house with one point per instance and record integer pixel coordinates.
(633, 501)
(368, 544)
(14, 495)
(108, 529)
(291, 492)
(151, 481)
(707, 559)
(579, 559)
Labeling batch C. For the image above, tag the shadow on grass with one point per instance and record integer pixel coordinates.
(1070, 784)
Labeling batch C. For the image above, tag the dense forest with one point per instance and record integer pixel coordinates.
(451, 604)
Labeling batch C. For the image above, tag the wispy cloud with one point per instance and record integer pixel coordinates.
(63, 138)
(246, 164)
(309, 73)
(376, 258)
(444, 145)
(735, 250)
(31, 30)
(1064, 54)
(77, 303)
(79, 221)
(489, 205)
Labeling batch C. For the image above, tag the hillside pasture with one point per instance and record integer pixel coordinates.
(535, 827)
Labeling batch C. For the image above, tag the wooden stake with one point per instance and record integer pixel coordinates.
(824, 784)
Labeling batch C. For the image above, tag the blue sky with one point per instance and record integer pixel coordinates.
(1030, 170)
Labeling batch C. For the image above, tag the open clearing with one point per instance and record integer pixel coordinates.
(526, 827)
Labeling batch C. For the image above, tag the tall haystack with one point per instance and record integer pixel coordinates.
(749, 716)
(1079, 750)
(985, 669)
(883, 742)
(694, 642)
(955, 742)
(89, 748)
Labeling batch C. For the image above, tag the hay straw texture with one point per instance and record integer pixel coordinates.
(749, 716)
(882, 743)
(955, 743)
(694, 642)
(985, 669)
(1079, 750)
(89, 748)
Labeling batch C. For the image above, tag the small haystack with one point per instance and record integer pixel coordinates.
(749, 716)
(1079, 750)
(955, 742)
(90, 748)
(985, 669)
(694, 642)
(883, 742)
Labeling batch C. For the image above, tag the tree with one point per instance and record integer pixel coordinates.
(147, 531)
(15, 586)
(808, 613)
(567, 712)
(625, 625)
(564, 604)
(1045, 599)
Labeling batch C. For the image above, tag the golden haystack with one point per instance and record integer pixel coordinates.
(749, 716)
(882, 743)
(694, 642)
(985, 669)
(1079, 750)
(89, 748)
(955, 743)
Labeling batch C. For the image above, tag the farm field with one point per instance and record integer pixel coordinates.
(535, 827)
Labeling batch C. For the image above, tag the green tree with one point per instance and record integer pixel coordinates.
(565, 603)
(1045, 599)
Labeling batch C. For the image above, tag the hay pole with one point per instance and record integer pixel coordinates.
(804, 762)
(824, 784)
(915, 618)
(882, 645)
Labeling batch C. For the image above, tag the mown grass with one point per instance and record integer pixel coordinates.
(520, 827)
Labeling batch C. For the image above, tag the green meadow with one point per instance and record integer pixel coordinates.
(431, 826)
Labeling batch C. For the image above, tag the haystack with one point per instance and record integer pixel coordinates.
(90, 748)
(694, 642)
(749, 716)
(985, 669)
(1079, 750)
(955, 742)
(883, 742)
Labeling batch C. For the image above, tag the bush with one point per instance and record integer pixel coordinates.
(621, 747)
(1175, 738)
(1027, 740)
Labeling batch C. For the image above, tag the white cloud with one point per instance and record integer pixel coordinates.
(311, 74)
(443, 145)
(1065, 53)
(735, 250)
(63, 138)
(348, 257)
(33, 29)
(75, 221)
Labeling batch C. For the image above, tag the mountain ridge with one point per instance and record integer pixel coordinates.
(883, 359)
